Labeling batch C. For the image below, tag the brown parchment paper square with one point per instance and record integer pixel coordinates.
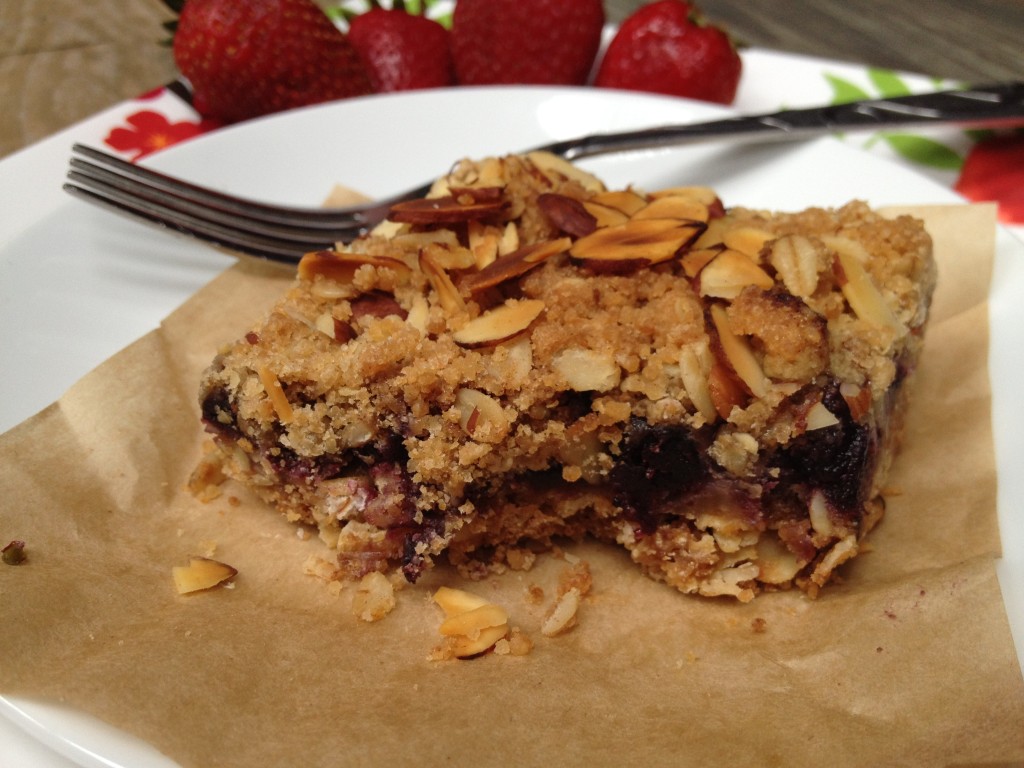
(908, 661)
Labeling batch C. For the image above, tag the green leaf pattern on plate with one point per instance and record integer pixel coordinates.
(911, 147)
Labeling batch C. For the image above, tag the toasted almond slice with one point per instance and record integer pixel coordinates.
(705, 195)
(739, 355)
(748, 240)
(414, 240)
(557, 168)
(341, 265)
(820, 417)
(201, 573)
(797, 262)
(450, 256)
(470, 623)
(447, 294)
(861, 292)
(275, 393)
(673, 207)
(464, 647)
(776, 564)
(625, 200)
(562, 615)
(604, 215)
(460, 205)
(567, 213)
(729, 273)
(514, 265)
(483, 242)
(695, 259)
(503, 322)
(695, 369)
(481, 416)
(645, 241)
(455, 601)
(587, 370)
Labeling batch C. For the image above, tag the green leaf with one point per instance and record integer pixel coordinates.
(844, 91)
(924, 151)
(887, 82)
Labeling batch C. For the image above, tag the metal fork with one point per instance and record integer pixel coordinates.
(286, 233)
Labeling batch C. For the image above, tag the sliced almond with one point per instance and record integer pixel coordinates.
(695, 362)
(818, 511)
(416, 240)
(450, 257)
(776, 564)
(461, 205)
(625, 200)
(470, 623)
(341, 265)
(558, 169)
(447, 294)
(729, 273)
(201, 573)
(463, 646)
(562, 615)
(587, 370)
(673, 207)
(739, 355)
(483, 242)
(748, 240)
(605, 215)
(567, 213)
(645, 241)
(705, 195)
(481, 416)
(503, 322)
(455, 601)
(695, 259)
(275, 393)
(820, 417)
(858, 399)
(863, 295)
(514, 265)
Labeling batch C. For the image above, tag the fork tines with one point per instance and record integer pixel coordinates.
(259, 229)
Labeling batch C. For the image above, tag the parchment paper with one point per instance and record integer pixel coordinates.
(908, 661)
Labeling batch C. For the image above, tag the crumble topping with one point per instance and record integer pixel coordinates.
(525, 355)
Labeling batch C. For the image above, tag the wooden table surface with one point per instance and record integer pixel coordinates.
(63, 60)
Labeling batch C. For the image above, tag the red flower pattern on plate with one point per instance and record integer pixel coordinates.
(150, 131)
(994, 170)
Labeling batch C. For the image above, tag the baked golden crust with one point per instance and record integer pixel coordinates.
(526, 356)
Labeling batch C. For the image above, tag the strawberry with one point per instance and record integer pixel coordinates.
(525, 41)
(668, 47)
(994, 170)
(246, 59)
(402, 51)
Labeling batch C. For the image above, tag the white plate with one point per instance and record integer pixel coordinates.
(77, 284)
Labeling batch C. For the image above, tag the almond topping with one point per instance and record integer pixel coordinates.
(693, 261)
(820, 417)
(562, 616)
(775, 563)
(455, 601)
(729, 273)
(471, 622)
(644, 242)
(275, 393)
(605, 215)
(673, 207)
(748, 240)
(739, 355)
(705, 195)
(503, 322)
(625, 200)
(514, 264)
(341, 265)
(587, 370)
(863, 295)
(695, 362)
(447, 294)
(567, 213)
(557, 168)
(481, 416)
(201, 573)
(462, 205)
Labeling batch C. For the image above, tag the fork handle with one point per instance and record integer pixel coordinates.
(984, 105)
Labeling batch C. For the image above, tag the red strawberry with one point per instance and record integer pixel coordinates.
(402, 51)
(251, 58)
(994, 170)
(525, 41)
(667, 47)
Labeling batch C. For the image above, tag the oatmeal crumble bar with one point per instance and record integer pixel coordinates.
(525, 355)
